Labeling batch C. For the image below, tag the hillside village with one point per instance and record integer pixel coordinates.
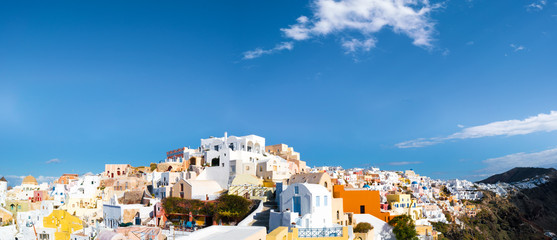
(235, 188)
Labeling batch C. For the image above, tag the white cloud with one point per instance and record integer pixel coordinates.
(517, 48)
(536, 5)
(54, 160)
(362, 18)
(14, 180)
(258, 52)
(547, 158)
(540, 123)
(409, 17)
(403, 163)
(46, 179)
(355, 45)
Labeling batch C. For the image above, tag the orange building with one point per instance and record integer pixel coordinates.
(360, 201)
(67, 178)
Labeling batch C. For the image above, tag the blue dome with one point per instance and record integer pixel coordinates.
(425, 188)
(366, 186)
(414, 182)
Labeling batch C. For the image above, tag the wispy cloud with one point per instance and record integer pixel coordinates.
(14, 180)
(536, 5)
(403, 163)
(547, 158)
(359, 20)
(354, 45)
(516, 47)
(258, 52)
(540, 123)
(54, 160)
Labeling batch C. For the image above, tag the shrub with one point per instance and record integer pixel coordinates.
(363, 227)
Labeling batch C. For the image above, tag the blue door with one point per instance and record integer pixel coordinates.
(297, 204)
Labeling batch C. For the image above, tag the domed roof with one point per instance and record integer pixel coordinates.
(30, 180)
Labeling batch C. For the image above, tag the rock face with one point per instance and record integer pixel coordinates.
(539, 205)
(518, 174)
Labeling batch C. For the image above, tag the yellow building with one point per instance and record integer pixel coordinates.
(427, 231)
(282, 233)
(399, 200)
(5, 216)
(403, 204)
(64, 223)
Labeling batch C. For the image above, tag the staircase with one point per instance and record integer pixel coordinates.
(262, 218)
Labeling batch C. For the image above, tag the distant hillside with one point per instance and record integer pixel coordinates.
(539, 205)
(518, 174)
(525, 214)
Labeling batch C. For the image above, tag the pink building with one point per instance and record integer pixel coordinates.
(38, 196)
(116, 170)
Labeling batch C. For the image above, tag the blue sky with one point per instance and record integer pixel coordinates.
(395, 84)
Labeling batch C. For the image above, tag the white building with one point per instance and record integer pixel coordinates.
(85, 187)
(227, 232)
(305, 206)
(114, 213)
(228, 156)
(182, 154)
(381, 229)
(3, 191)
(273, 168)
(59, 193)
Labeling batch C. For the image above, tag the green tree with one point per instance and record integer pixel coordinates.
(404, 228)
(232, 207)
(153, 166)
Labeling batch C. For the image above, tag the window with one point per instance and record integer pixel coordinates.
(247, 168)
(296, 190)
(362, 209)
(317, 200)
(215, 162)
(181, 187)
(338, 215)
(325, 201)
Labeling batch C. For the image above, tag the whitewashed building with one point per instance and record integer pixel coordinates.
(228, 156)
(305, 206)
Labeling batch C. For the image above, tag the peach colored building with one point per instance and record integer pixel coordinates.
(282, 150)
(321, 178)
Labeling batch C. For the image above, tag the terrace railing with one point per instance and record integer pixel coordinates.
(319, 232)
